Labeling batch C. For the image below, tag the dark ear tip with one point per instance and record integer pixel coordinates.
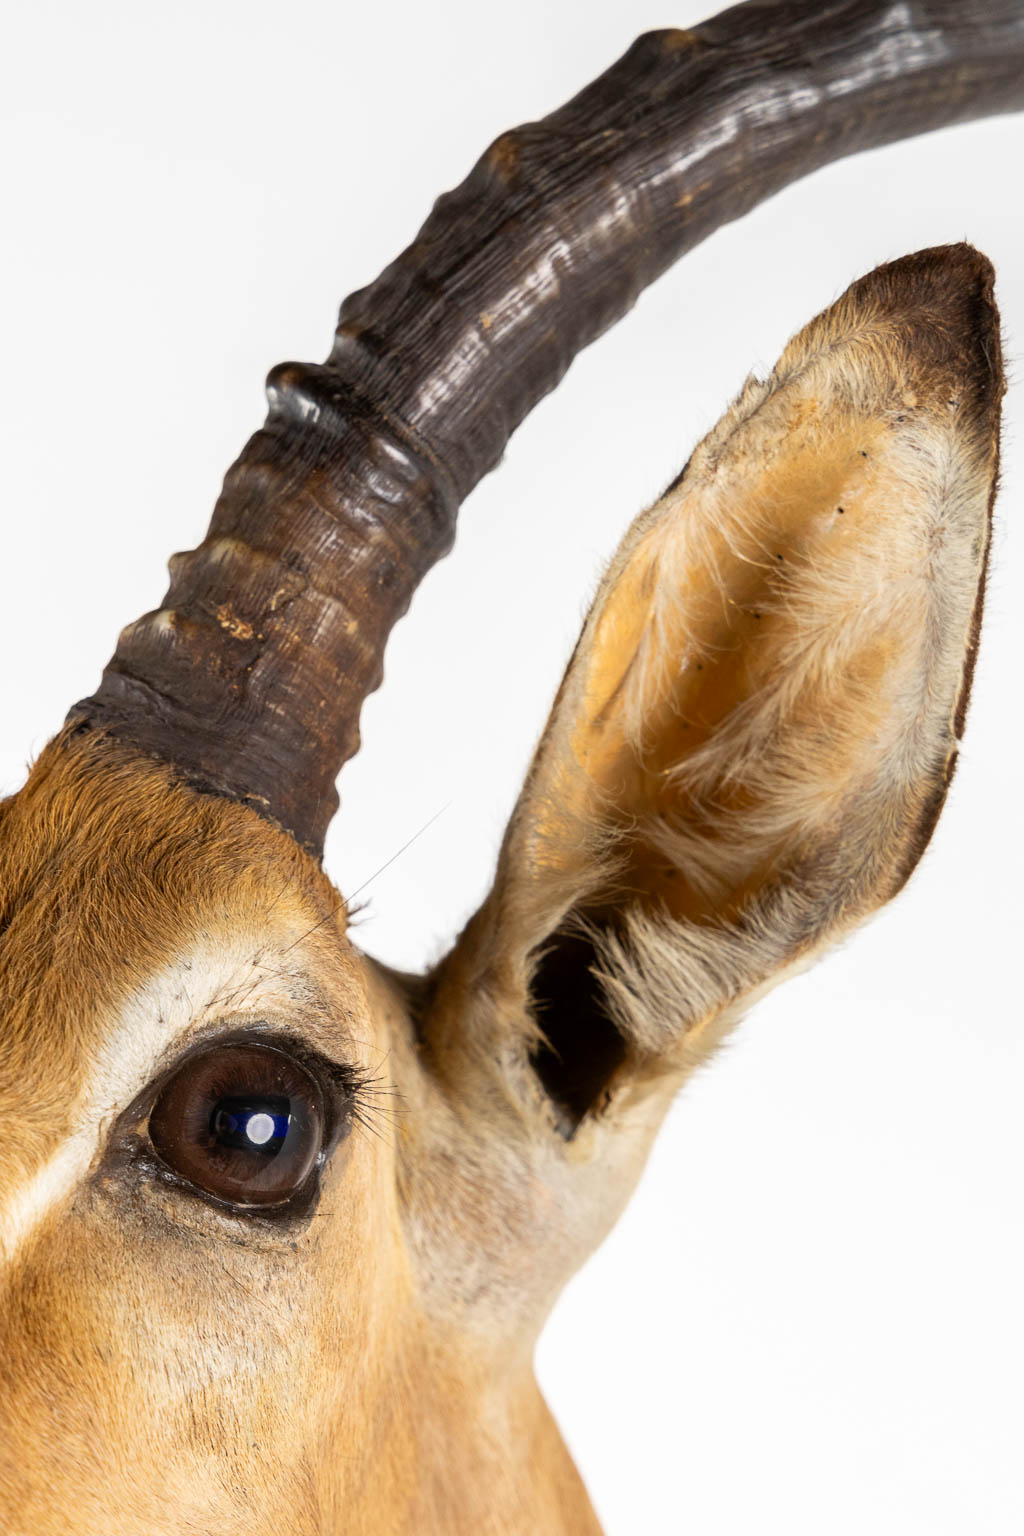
(936, 273)
(944, 298)
(954, 284)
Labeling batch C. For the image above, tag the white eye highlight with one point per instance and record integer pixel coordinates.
(260, 1128)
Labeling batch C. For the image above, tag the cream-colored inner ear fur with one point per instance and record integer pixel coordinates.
(811, 588)
(758, 727)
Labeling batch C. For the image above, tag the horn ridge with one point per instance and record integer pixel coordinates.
(581, 211)
(250, 676)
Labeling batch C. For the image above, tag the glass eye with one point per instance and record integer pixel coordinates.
(244, 1123)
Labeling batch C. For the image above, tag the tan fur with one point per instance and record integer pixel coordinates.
(746, 756)
(168, 1366)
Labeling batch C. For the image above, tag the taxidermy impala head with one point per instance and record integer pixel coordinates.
(278, 1228)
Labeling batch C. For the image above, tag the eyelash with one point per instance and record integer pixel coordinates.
(365, 1108)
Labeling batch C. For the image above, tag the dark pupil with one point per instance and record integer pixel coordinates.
(254, 1122)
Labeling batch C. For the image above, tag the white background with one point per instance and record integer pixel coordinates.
(810, 1319)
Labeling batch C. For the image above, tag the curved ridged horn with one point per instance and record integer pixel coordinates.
(251, 676)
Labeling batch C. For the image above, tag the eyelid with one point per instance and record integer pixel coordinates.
(339, 1079)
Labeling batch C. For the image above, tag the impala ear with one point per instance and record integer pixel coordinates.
(755, 735)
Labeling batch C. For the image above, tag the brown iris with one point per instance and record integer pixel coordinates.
(244, 1123)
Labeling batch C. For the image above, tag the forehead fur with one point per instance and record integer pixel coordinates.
(108, 870)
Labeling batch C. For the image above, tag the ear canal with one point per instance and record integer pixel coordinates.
(756, 733)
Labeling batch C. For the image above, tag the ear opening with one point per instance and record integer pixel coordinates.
(579, 1048)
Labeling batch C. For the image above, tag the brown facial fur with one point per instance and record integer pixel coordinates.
(170, 1366)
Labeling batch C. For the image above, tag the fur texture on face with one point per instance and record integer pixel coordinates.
(747, 756)
(172, 1365)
